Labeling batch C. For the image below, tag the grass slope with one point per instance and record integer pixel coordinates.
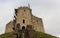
(39, 35)
(6, 35)
(44, 35)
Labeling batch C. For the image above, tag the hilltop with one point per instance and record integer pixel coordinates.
(39, 35)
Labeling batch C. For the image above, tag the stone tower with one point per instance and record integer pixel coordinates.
(23, 18)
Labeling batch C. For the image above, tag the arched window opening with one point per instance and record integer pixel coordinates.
(29, 27)
(23, 21)
(23, 27)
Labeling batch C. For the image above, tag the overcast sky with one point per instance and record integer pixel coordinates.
(48, 10)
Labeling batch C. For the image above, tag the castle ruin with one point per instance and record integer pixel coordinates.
(23, 19)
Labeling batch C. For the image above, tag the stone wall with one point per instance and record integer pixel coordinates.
(24, 17)
(23, 14)
(38, 24)
(9, 27)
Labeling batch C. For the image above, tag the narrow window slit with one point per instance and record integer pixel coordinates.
(23, 21)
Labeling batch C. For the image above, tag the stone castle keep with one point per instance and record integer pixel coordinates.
(23, 19)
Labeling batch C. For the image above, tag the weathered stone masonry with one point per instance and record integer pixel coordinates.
(24, 17)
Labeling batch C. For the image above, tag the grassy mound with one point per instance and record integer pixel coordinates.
(39, 35)
(44, 35)
(6, 35)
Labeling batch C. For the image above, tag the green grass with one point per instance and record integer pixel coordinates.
(44, 35)
(38, 34)
(6, 35)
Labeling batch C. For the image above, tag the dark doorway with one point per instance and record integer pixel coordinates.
(23, 27)
(17, 36)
